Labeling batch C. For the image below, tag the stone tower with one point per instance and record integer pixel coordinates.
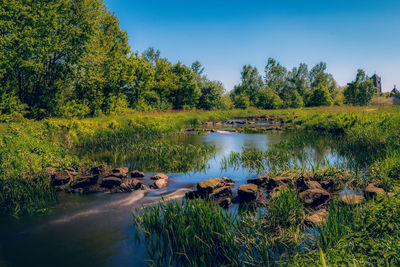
(377, 83)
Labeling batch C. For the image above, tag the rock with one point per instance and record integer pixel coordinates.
(226, 202)
(248, 192)
(228, 182)
(331, 185)
(99, 170)
(85, 181)
(259, 181)
(160, 184)
(159, 176)
(316, 218)
(129, 185)
(137, 174)
(209, 185)
(277, 191)
(110, 182)
(313, 185)
(315, 197)
(277, 181)
(352, 199)
(222, 192)
(60, 178)
(372, 190)
(120, 172)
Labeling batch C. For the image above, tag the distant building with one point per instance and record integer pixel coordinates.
(395, 91)
(377, 83)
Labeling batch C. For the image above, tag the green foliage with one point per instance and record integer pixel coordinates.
(320, 96)
(360, 91)
(211, 95)
(268, 99)
(26, 195)
(241, 101)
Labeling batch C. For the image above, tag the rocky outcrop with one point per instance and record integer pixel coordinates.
(86, 181)
(217, 188)
(94, 179)
(60, 178)
(248, 193)
(315, 197)
(160, 184)
(159, 176)
(137, 174)
(372, 190)
(110, 182)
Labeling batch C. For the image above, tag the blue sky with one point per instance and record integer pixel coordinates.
(225, 35)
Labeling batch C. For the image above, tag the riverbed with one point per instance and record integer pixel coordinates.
(97, 230)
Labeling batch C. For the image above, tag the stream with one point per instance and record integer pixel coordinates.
(97, 230)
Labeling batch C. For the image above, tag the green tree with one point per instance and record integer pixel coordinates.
(186, 93)
(360, 91)
(268, 99)
(211, 95)
(42, 43)
(276, 76)
(241, 101)
(320, 96)
(251, 83)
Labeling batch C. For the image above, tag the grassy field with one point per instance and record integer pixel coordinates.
(360, 235)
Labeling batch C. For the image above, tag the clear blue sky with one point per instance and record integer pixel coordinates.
(225, 35)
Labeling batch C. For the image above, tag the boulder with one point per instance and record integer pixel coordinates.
(159, 176)
(332, 186)
(315, 197)
(137, 174)
(120, 172)
(316, 218)
(248, 192)
(228, 182)
(80, 182)
(277, 181)
(222, 192)
(226, 202)
(60, 178)
(160, 184)
(129, 185)
(209, 185)
(99, 170)
(110, 182)
(313, 185)
(352, 199)
(372, 190)
(277, 191)
(259, 181)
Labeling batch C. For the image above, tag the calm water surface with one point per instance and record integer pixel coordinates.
(96, 230)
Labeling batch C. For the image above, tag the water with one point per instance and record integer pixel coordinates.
(96, 229)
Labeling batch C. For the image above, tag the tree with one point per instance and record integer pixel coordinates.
(299, 79)
(211, 95)
(186, 93)
(241, 101)
(268, 99)
(320, 96)
(360, 91)
(251, 83)
(44, 42)
(275, 76)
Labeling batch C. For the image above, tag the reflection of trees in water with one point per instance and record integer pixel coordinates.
(302, 150)
(173, 153)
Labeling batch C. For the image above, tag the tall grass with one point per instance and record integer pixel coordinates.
(200, 233)
(21, 195)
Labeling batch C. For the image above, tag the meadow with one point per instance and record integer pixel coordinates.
(200, 233)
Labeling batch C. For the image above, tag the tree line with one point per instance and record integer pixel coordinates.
(70, 58)
(299, 87)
